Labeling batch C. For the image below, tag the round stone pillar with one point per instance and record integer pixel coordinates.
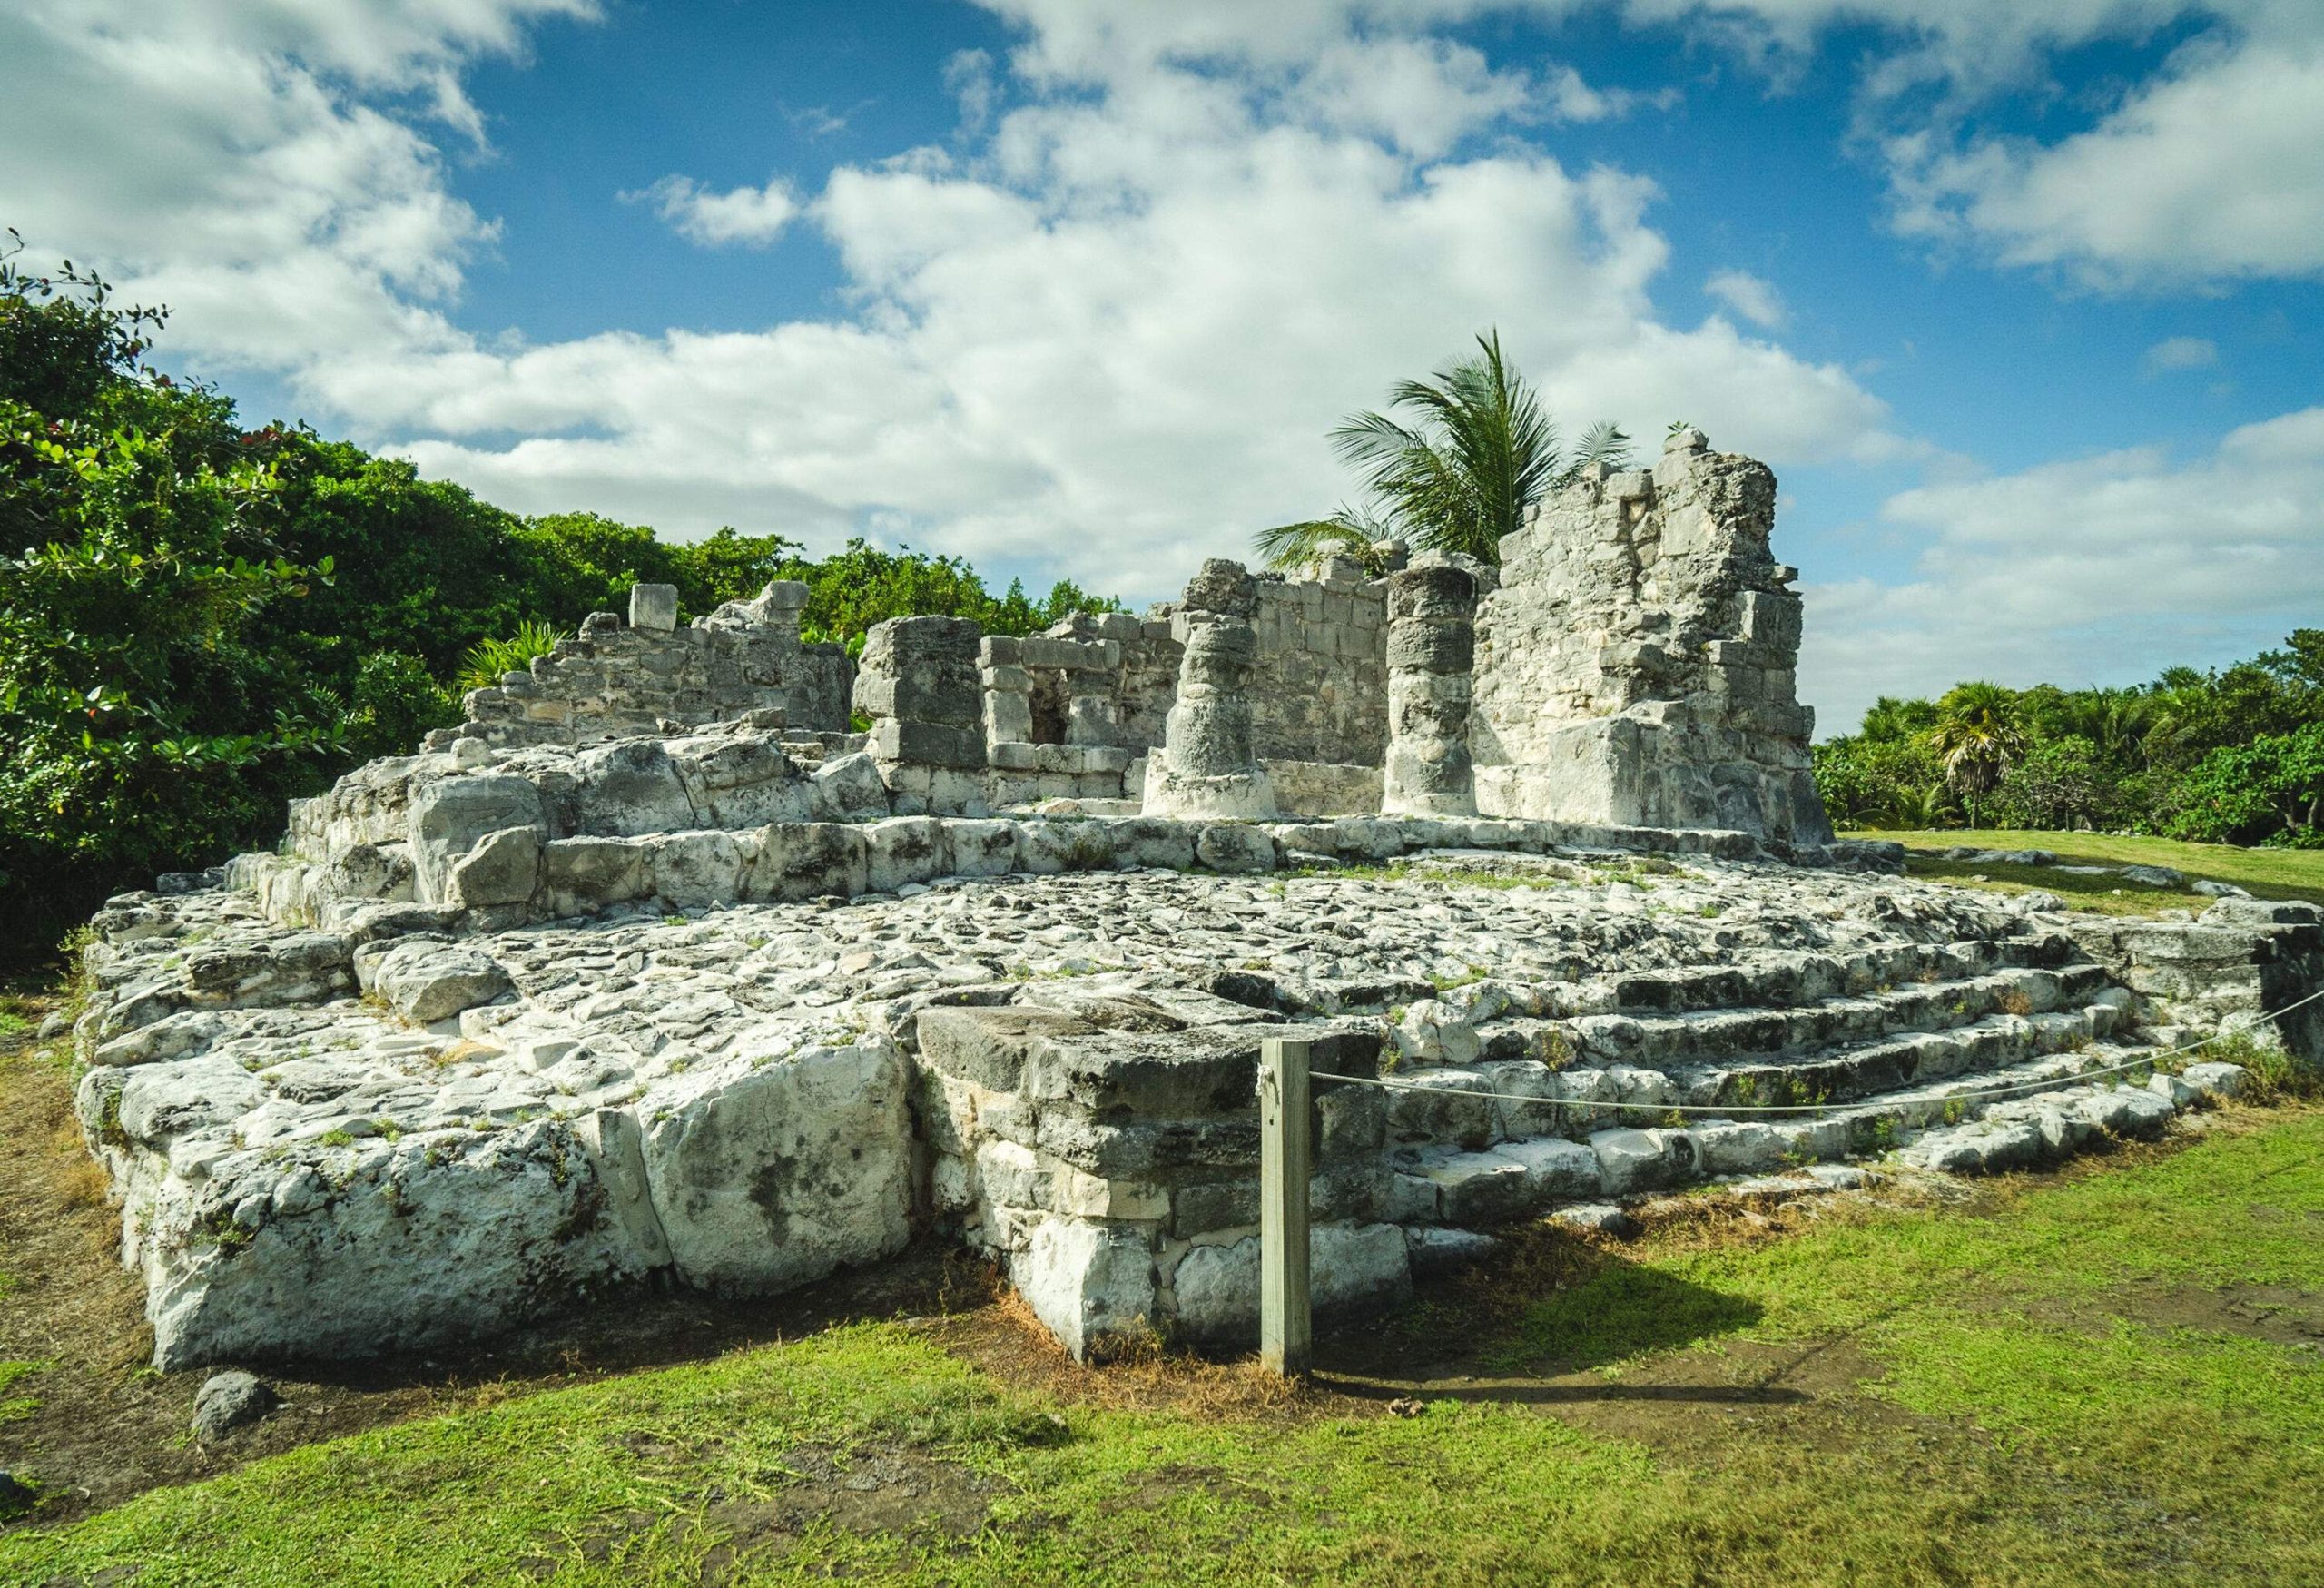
(1208, 768)
(1432, 651)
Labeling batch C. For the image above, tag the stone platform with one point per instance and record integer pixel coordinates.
(410, 1122)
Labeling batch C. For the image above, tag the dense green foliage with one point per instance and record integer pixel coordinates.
(198, 621)
(1480, 451)
(2230, 756)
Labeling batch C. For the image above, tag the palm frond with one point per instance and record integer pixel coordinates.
(1604, 442)
(1347, 533)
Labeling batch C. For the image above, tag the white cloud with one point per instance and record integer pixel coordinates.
(252, 187)
(2095, 571)
(1755, 299)
(2182, 352)
(2212, 173)
(754, 216)
(1102, 337)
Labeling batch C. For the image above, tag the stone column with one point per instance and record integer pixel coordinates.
(1207, 767)
(918, 681)
(1432, 645)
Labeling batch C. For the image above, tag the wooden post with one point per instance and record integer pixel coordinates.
(1286, 1323)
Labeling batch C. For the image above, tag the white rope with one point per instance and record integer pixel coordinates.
(1722, 1110)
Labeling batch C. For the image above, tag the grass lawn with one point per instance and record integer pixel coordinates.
(2112, 1375)
(2269, 874)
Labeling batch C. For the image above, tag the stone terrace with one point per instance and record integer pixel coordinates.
(375, 1136)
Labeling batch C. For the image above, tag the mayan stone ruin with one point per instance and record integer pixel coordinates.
(655, 970)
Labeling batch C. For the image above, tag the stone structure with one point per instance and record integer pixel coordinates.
(592, 992)
(652, 677)
(918, 681)
(1636, 664)
(1431, 654)
(1207, 766)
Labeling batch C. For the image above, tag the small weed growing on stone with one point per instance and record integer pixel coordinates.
(1955, 1111)
(336, 1139)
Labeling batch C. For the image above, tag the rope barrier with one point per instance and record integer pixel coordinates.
(1721, 1110)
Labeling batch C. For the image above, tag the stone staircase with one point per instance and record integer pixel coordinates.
(1741, 1071)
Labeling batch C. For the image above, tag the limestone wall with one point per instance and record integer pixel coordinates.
(1636, 663)
(1319, 691)
(613, 679)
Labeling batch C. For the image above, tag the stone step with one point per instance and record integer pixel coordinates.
(1943, 1126)
(1736, 1034)
(1784, 980)
(1577, 1096)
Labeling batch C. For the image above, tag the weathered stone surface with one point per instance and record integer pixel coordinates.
(385, 1246)
(1636, 664)
(654, 606)
(1090, 1284)
(849, 789)
(504, 868)
(766, 1178)
(1351, 1269)
(450, 814)
(428, 981)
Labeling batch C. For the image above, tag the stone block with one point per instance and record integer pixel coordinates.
(1090, 1284)
(425, 981)
(767, 1177)
(808, 860)
(904, 849)
(927, 744)
(692, 870)
(579, 875)
(980, 848)
(654, 607)
(1352, 1267)
(1234, 847)
(849, 788)
(504, 868)
(446, 818)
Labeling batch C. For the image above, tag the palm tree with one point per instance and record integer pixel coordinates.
(1976, 736)
(1477, 454)
(1348, 532)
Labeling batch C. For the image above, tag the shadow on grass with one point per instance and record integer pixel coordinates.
(1548, 1305)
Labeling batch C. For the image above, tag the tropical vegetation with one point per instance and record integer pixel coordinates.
(2229, 755)
(1478, 451)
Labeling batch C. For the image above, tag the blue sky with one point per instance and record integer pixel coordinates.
(2021, 302)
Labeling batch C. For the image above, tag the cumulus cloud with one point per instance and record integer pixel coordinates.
(2182, 352)
(2212, 173)
(1100, 332)
(2083, 571)
(253, 187)
(1755, 299)
(754, 216)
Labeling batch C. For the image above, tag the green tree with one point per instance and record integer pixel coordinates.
(1478, 452)
(1976, 736)
(141, 726)
(2270, 790)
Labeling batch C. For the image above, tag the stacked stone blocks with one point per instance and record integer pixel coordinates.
(649, 676)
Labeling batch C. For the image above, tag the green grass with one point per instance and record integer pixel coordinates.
(2034, 1420)
(2268, 874)
(14, 1409)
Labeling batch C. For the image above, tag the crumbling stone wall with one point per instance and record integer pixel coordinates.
(1636, 663)
(650, 676)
